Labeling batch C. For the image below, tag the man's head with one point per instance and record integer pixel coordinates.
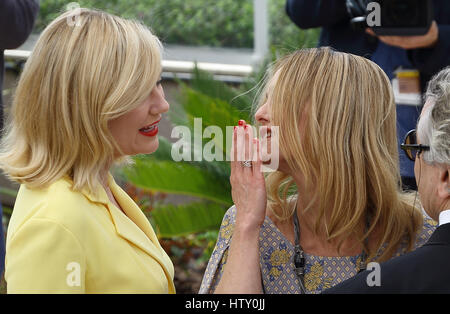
(432, 167)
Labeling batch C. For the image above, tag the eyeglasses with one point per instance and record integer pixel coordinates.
(410, 146)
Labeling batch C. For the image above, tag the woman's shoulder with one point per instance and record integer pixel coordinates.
(57, 203)
(58, 194)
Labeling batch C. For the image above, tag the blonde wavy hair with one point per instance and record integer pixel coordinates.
(348, 155)
(79, 76)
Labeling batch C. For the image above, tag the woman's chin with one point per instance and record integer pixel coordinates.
(151, 151)
(148, 148)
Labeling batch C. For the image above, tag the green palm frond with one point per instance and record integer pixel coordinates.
(172, 221)
(204, 83)
(219, 170)
(217, 115)
(213, 111)
(178, 178)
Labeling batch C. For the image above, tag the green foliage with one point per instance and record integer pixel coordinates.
(238, 98)
(214, 112)
(178, 178)
(217, 23)
(182, 220)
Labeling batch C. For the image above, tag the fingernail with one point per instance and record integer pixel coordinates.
(241, 122)
(245, 127)
(235, 128)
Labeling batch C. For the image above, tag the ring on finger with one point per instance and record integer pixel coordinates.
(246, 163)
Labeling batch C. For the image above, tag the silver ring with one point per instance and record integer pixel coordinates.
(247, 163)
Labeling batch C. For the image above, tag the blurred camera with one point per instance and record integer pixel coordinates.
(392, 17)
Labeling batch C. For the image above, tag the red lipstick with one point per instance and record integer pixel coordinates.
(150, 130)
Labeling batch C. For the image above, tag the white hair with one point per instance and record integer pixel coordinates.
(434, 124)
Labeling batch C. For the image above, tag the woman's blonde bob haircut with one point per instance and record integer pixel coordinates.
(84, 71)
(348, 153)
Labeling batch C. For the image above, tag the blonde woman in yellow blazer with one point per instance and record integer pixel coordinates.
(90, 95)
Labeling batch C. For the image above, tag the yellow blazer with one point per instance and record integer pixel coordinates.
(62, 241)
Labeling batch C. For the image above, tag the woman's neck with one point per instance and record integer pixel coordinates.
(316, 241)
(103, 176)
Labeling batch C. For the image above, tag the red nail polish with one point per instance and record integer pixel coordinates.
(245, 127)
(241, 122)
(235, 128)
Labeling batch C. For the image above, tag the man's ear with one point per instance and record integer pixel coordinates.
(444, 182)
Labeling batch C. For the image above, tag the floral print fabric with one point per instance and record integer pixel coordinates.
(277, 261)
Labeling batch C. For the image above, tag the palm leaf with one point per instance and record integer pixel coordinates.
(178, 178)
(214, 113)
(204, 83)
(172, 221)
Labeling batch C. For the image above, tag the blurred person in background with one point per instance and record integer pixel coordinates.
(426, 54)
(335, 202)
(426, 270)
(90, 95)
(16, 23)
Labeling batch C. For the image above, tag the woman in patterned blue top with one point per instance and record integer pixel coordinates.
(336, 117)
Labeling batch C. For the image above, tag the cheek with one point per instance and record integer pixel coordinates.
(124, 131)
(420, 180)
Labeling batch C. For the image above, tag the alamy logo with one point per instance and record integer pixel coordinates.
(191, 148)
(374, 277)
(73, 279)
(374, 14)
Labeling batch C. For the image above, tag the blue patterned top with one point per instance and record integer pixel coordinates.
(277, 260)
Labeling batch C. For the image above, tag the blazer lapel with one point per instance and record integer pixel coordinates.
(144, 236)
(134, 226)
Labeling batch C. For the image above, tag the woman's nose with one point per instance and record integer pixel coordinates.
(161, 104)
(262, 115)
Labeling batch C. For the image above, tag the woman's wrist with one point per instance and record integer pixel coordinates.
(247, 225)
(247, 228)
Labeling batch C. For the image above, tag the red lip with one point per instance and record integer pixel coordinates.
(151, 124)
(151, 133)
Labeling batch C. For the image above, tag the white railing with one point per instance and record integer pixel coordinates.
(170, 65)
(17, 54)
